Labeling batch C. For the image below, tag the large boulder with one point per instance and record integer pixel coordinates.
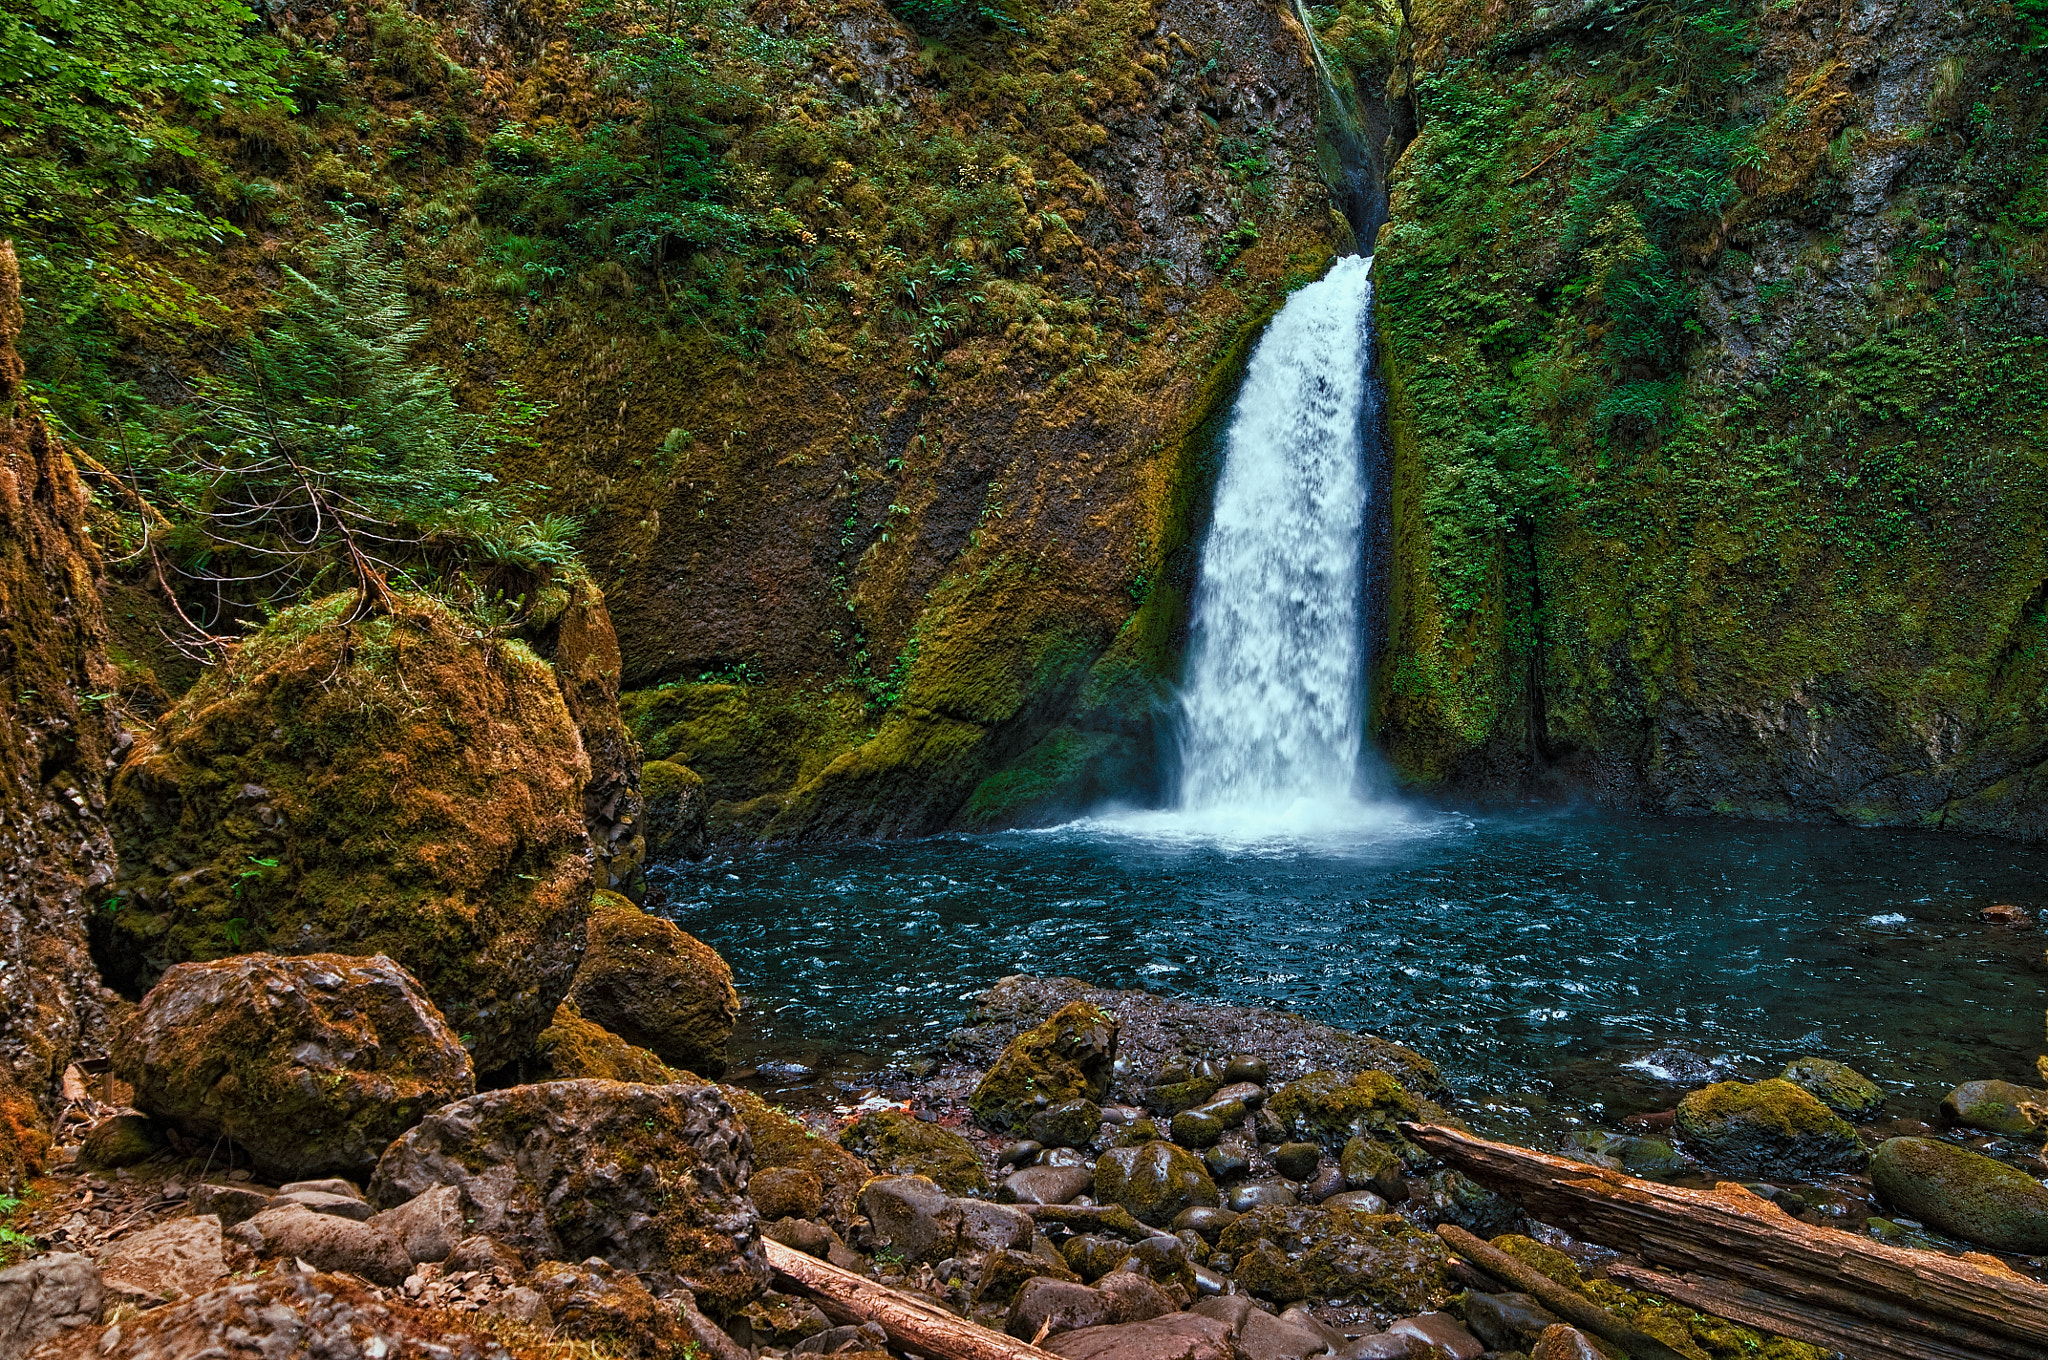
(656, 986)
(675, 811)
(1071, 1055)
(47, 1295)
(397, 785)
(653, 1179)
(1963, 1193)
(1154, 1181)
(1335, 1255)
(312, 1063)
(1767, 1128)
(898, 1143)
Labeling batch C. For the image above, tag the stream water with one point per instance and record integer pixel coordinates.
(1558, 967)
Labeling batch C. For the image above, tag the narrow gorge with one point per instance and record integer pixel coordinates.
(1023, 679)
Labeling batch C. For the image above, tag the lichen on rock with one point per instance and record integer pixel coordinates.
(401, 785)
(650, 1178)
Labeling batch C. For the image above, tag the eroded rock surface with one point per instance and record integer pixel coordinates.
(311, 1063)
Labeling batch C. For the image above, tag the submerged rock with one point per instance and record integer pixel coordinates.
(1838, 1086)
(1996, 1107)
(1963, 1193)
(1070, 1056)
(312, 1064)
(650, 1178)
(656, 986)
(393, 785)
(1768, 1128)
(897, 1142)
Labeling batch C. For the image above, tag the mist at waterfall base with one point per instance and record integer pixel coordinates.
(1272, 703)
(1557, 967)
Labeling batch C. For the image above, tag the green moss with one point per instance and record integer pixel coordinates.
(1955, 1190)
(781, 1141)
(1330, 1109)
(1067, 1057)
(897, 1143)
(1766, 1127)
(1339, 1256)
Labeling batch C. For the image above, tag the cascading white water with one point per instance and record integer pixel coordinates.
(1273, 706)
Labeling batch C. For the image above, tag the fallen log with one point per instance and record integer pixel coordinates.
(1568, 1304)
(912, 1322)
(1799, 1280)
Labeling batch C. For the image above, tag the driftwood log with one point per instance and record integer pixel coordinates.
(1728, 1252)
(1568, 1304)
(912, 1322)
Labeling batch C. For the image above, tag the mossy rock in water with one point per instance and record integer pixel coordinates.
(1071, 1056)
(1767, 1128)
(1337, 1255)
(1963, 1193)
(655, 985)
(675, 811)
(572, 1047)
(1153, 1181)
(401, 785)
(1996, 1107)
(1329, 1108)
(1838, 1086)
(781, 1140)
(897, 1143)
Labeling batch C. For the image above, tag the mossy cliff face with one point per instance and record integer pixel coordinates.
(1714, 336)
(400, 785)
(56, 744)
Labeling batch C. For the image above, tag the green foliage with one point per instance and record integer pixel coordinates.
(103, 174)
(323, 448)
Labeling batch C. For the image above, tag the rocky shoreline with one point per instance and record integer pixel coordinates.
(1109, 1175)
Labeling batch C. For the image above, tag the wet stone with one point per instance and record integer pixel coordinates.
(1363, 1201)
(1507, 1321)
(1246, 1068)
(1019, 1153)
(1068, 1123)
(1258, 1195)
(1297, 1161)
(1207, 1221)
(1047, 1185)
(1228, 1160)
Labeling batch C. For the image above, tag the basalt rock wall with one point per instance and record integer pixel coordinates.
(1717, 345)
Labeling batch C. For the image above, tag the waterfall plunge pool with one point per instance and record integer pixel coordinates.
(1559, 967)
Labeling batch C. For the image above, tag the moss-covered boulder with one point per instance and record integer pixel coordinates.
(310, 1063)
(1071, 1056)
(1997, 1107)
(1331, 1108)
(898, 1143)
(650, 1178)
(1767, 1128)
(1838, 1086)
(1963, 1193)
(1154, 1181)
(656, 986)
(1336, 1255)
(781, 1140)
(401, 785)
(572, 1046)
(675, 811)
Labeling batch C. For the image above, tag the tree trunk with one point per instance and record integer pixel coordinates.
(1745, 1259)
(912, 1322)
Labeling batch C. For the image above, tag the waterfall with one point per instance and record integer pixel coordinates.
(1273, 707)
